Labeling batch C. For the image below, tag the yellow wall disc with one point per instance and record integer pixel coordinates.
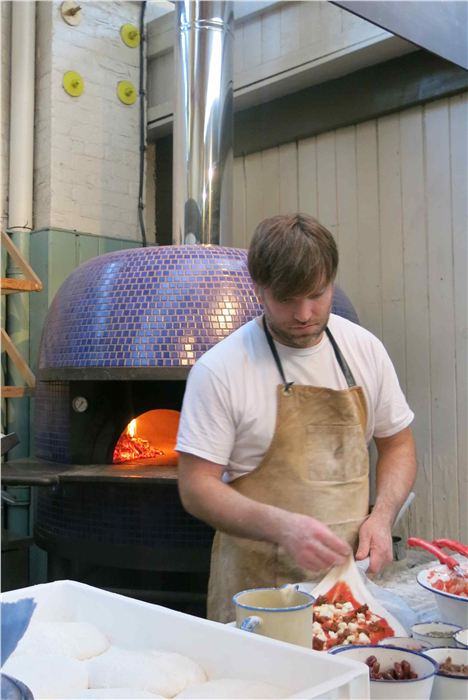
(126, 92)
(130, 35)
(73, 83)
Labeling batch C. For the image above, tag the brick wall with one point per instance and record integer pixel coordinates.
(87, 147)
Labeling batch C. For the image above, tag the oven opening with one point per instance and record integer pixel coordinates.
(149, 438)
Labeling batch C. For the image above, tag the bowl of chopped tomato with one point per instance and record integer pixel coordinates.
(450, 591)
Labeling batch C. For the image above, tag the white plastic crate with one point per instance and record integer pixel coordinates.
(221, 650)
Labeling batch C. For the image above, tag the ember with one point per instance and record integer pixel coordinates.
(160, 427)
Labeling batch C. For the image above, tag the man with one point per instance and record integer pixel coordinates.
(275, 426)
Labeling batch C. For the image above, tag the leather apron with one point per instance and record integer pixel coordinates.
(317, 464)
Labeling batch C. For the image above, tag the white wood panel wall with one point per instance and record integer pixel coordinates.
(394, 193)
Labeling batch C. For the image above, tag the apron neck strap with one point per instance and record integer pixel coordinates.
(276, 357)
(348, 375)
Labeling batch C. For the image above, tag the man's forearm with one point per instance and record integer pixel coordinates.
(396, 472)
(214, 502)
(309, 542)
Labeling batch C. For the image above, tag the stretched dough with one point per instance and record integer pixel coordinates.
(79, 640)
(157, 672)
(234, 689)
(48, 676)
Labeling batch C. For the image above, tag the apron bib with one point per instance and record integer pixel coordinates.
(317, 464)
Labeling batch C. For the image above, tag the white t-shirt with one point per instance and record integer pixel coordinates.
(229, 409)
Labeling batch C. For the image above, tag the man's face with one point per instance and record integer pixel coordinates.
(298, 322)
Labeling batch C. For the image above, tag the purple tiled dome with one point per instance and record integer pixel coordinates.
(148, 307)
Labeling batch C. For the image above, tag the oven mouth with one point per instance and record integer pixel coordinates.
(149, 438)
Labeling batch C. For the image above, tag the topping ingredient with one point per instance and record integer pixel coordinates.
(449, 582)
(338, 618)
(448, 668)
(401, 671)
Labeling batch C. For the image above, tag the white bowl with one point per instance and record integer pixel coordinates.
(453, 608)
(435, 634)
(449, 687)
(404, 643)
(461, 639)
(416, 688)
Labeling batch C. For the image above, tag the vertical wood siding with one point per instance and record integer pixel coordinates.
(394, 193)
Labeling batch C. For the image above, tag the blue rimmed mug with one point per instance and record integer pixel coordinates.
(283, 613)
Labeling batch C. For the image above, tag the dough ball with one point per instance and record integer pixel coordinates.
(232, 688)
(122, 668)
(183, 670)
(48, 676)
(79, 640)
(114, 693)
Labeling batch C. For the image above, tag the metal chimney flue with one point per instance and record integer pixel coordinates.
(203, 123)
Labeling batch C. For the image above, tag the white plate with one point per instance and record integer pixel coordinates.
(349, 574)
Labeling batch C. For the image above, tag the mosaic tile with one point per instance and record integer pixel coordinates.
(145, 296)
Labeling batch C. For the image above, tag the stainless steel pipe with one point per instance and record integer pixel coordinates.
(203, 117)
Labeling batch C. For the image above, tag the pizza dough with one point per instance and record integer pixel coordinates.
(78, 640)
(185, 670)
(232, 688)
(48, 676)
(157, 672)
(114, 693)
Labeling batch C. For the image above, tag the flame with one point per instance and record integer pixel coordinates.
(152, 438)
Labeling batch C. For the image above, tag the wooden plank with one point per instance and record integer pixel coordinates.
(20, 261)
(271, 33)
(16, 392)
(18, 361)
(307, 174)
(238, 205)
(252, 43)
(441, 307)
(309, 23)
(290, 23)
(391, 242)
(8, 285)
(418, 380)
(271, 182)
(253, 193)
(288, 201)
(326, 189)
(347, 212)
(458, 113)
(369, 241)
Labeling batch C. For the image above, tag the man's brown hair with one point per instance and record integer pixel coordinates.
(292, 255)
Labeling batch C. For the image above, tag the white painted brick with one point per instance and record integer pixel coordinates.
(89, 152)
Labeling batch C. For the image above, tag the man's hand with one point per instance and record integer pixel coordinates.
(375, 541)
(396, 471)
(311, 543)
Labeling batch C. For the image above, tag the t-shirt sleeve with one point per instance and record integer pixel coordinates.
(206, 427)
(392, 413)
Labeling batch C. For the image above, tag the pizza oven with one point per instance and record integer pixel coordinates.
(118, 342)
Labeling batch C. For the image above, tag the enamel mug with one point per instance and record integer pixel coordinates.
(280, 613)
